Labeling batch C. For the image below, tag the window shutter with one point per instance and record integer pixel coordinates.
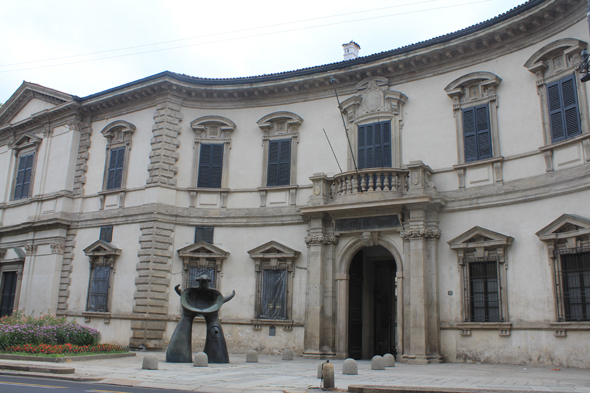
(469, 135)
(386, 143)
(115, 171)
(204, 234)
(23, 176)
(570, 107)
(205, 166)
(273, 164)
(484, 140)
(377, 150)
(106, 234)
(216, 166)
(370, 152)
(285, 163)
(374, 145)
(362, 149)
(210, 166)
(555, 112)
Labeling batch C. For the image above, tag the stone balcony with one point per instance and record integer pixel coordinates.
(370, 189)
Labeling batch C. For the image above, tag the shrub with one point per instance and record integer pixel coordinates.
(19, 318)
(64, 349)
(65, 333)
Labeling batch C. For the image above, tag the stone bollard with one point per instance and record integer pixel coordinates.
(251, 356)
(328, 375)
(150, 362)
(320, 373)
(201, 360)
(287, 354)
(377, 363)
(349, 367)
(389, 360)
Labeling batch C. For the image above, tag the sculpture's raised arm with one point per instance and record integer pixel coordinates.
(229, 297)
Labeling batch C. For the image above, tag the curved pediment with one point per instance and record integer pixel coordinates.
(202, 250)
(567, 46)
(101, 248)
(567, 225)
(480, 77)
(480, 237)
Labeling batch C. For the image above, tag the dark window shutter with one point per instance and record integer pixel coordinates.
(377, 149)
(23, 176)
(469, 135)
(563, 109)
(570, 107)
(216, 166)
(205, 166)
(370, 152)
(115, 171)
(106, 234)
(8, 293)
(484, 137)
(386, 143)
(204, 234)
(279, 163)
(374, 145)
(555, 112)
(210, 166)
(362, 148)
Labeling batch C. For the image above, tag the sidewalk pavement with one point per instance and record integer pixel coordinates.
(271, 374)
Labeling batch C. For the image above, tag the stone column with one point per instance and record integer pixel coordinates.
(319, 317)
(342, 288)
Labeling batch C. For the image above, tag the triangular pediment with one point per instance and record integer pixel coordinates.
(25, 141)
(202, 250)
(273, 249)
(29, 99)
(567, 225)
(480, 237)
(100, 247)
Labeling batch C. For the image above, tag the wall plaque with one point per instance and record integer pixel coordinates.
(366, 223)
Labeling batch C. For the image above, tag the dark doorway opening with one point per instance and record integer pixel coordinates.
(8, 286)
(372, 316)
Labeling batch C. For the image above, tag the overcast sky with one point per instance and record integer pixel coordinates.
(83, 47)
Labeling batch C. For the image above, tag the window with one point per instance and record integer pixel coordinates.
(8, 293)
(22, 184)
(279, 163)
(280, 138)
(563, 109)
(106, 234)
(481, 286)
(210, 166)
(25, 149)
(202, 257)
(482, 261)
(476, 133)
(475, 107)
(118, 135)
(374, 145)
(573, 276)
(274, 280)
(204, 234)
(212, 144)
(102, 258)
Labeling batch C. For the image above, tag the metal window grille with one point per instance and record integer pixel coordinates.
(572, 280)
(272, 294)
(195, 272)
(481, 286)
(98, 290)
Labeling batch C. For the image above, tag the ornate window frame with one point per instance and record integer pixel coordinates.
(374, 102)
(482, 245)
(27, 144)
(469, 91)
(567, 234)
(118, 135)
(272, 256)
(101, 253)
(552, 63)
(202, 254)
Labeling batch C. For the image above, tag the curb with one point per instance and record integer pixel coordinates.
(37, 368)
(63, 377)
(66, 359)
(431, 389)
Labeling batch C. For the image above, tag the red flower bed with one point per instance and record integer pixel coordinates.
(65, 349)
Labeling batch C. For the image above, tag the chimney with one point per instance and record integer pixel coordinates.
(351, 50)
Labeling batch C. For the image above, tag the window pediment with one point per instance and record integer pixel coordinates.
(373, 98)
(213, 127)
(566, 226)
(275, 255)
(555, 57)
(118, 131)
(480, 238)
(101, 248)
(202, 250)
(473, 86)
(25, 142)
(281, 123)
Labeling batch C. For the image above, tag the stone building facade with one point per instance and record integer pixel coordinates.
(457, 230)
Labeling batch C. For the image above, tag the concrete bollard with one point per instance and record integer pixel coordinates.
(389, 360)
(349, 367)
(201, 360)
(320, 371)
(377, 363)
(328, 375)
(150, 362)
(251, 356)
(287, 354)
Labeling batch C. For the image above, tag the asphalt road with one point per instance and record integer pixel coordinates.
(10, 384)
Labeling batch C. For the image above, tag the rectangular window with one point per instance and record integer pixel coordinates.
(573, 284)
(106, 234)
(273, 294)
(204, 234)
(115, 171)
(563, 109)
(279, 163)
(8, 293)
(23, 176)
(98, 290)
(197, 271)
(476, 133)
(482, 290)
(210, 166)
(374, 145)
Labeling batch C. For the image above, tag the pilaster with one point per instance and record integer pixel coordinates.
(163, 157)
(83, 154)
(66, 271)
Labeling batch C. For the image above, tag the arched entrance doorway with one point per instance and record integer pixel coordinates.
(372, 299)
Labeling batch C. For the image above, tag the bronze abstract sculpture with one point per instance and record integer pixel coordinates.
(204, 301)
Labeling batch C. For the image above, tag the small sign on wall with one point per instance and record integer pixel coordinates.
(367, 223)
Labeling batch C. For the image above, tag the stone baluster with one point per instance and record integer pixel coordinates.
(378, 185)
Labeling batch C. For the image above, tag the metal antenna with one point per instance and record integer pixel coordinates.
(330, 143)
(333, 83)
